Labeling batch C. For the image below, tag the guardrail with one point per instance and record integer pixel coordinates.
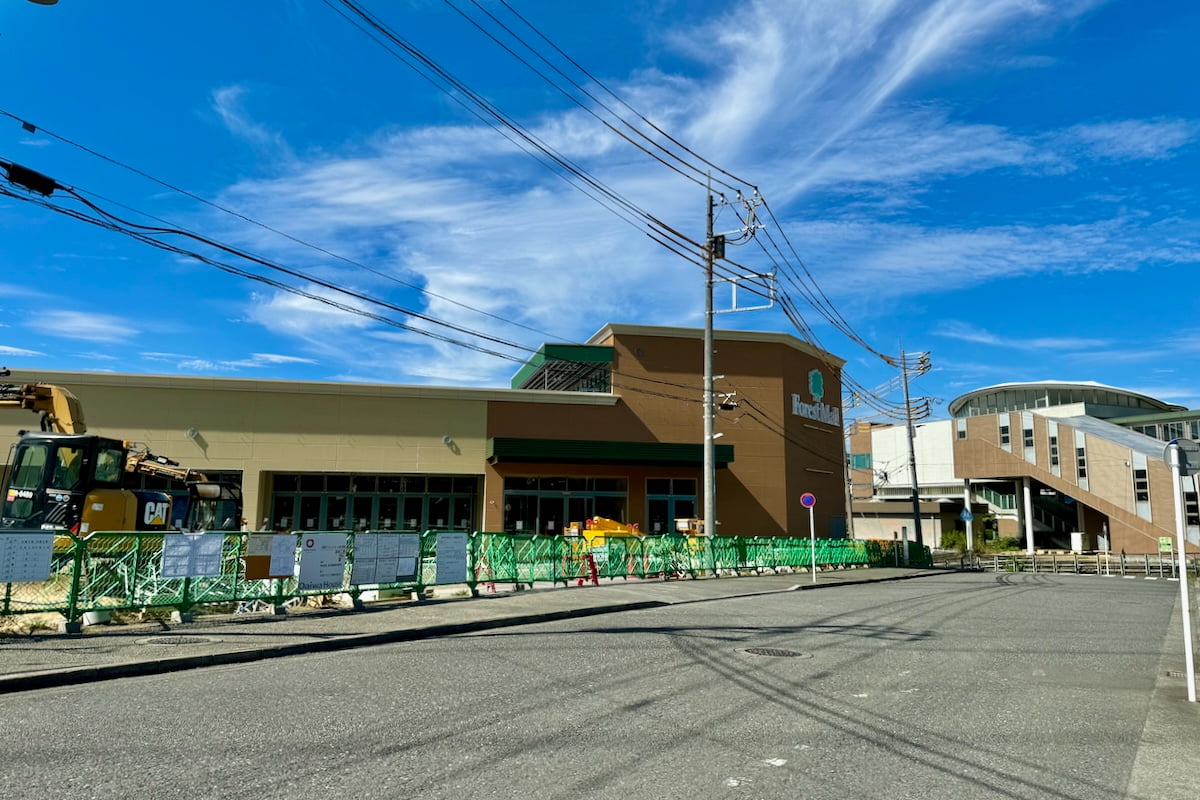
(124, 571)
(1148, 565)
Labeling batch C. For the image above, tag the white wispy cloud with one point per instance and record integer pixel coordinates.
(18, 290)
(157, 356)
(228, 103)
(270, 359)
(199, 364)
(1133, 139)
(307, 319)
(87, 325)
(966, 332)
(1183, 395)
(815, 98)
(18, 352)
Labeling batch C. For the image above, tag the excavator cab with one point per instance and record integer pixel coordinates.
(64, 479)
(76, 483)
(52, 476)
(212, 506)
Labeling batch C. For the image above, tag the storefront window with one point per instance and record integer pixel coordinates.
(549, 504)
(374, 502)
(669, 499)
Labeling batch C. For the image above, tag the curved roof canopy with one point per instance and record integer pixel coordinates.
(1103, 401)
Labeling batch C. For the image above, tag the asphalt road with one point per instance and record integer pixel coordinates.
(962, 686)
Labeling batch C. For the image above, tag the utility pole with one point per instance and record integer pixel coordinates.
(922, 368)
(710, 462)
(714, 248)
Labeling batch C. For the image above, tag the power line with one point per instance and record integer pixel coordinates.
(32, 128)
(35, 182)
(697, 175)
(806, 284)
(621, 206)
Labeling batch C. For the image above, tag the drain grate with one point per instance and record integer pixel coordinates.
(775, 652)
(171, 641)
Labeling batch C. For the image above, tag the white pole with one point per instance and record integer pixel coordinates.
(1027, 506)
(970, 522)
(812, 543)
(1181, 537)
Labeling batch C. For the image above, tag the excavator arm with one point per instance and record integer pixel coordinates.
(59, 410)
(143, 462)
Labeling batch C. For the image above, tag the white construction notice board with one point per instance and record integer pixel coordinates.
(376, 558)
(451, 558)
(322, 561)
(25, 557)
(410, 556)
(192, 555)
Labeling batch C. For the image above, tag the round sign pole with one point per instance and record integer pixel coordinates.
(808, 500)
(1182, 457)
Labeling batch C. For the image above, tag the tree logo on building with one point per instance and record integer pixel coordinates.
(816, 410)
(816, 385)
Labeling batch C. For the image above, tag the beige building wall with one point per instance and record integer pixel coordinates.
(1108, 501)
(262, 427)
(862, 481)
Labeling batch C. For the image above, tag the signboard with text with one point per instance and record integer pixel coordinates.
(322, 561)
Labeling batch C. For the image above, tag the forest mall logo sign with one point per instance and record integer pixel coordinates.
(816, 410)
(816, 385)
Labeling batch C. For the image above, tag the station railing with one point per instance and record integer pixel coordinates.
(1145, 565)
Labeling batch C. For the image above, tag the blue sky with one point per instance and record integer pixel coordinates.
(1008, 184)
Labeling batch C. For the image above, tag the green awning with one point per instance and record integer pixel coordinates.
(502, 450)
(567, 367)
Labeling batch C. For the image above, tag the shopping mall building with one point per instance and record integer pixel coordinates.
(610, 428)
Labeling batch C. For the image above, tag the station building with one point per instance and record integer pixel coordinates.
(609, 428)
(1057, 464)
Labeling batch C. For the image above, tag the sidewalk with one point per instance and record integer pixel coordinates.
(105, 652)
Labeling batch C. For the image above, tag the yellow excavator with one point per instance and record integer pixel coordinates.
(62, 478)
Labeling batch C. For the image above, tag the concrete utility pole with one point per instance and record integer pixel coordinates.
(710, 462)
(714, 248)
(912, 450)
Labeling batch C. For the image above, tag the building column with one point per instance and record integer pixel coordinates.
(1027, 512)
(1081, 523)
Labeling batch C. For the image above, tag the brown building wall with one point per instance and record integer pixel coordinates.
(777, 455)
(659, 381)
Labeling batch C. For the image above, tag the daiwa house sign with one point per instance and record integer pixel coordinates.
(816, 410)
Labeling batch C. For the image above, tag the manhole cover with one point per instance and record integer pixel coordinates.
(775, 652)
(169, 641)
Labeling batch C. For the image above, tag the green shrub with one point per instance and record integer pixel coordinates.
(1004, 544)
(954, 540)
